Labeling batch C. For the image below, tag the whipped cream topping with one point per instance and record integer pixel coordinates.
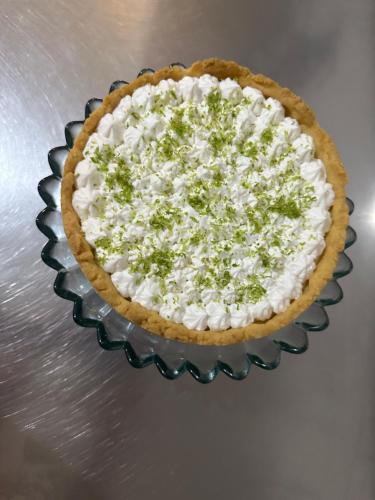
(204, 202)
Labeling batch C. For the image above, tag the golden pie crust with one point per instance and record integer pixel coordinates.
(151, 320)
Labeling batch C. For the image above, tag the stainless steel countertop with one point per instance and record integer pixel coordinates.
(79, 422)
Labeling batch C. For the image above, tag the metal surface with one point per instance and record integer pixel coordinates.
(79, 422)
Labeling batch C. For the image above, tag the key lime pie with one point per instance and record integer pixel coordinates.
(205, 204)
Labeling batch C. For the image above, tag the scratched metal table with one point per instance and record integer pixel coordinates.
(79, 422)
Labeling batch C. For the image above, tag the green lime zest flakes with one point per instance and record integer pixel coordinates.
(276, 160)
(253, 218)
(290, 174)
(199, 203)
(173, 212)
(166, 148)
(286, 207)
(102, 157)
(218, 176)
(105, 247)
(158, 105)
(192, 114)
(199, 186)
(264, 257)
(276, 240)
(251, 292)
(214, 102)
(267, 136)
(124, 196)
(224, 279)
(230, 212)
(178, 125)
(216, 141)
(307, 196)
(105, 243)
(120, 179)
(197, 238)
(141, 266)
(160, 222)
(239, 236)
(163, 261)
(249, 149)
(166, 218)
(219, 139)
(202, 281)
(135, 115)
(159, 262)
(163, 286)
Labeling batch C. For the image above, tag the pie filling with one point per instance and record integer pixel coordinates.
(204, 202)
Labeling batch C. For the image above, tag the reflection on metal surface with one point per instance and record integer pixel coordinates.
(29, 470)
(371, 215)
(302, 432)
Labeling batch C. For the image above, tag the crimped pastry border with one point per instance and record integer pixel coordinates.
(151, 320)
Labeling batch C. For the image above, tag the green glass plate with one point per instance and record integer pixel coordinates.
(143, 348)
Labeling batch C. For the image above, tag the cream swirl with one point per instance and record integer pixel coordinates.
(218, 317)
(195, 317)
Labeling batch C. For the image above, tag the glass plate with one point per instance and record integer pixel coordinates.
(142, 348)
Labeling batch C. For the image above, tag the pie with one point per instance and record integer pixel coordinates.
(205, 204)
